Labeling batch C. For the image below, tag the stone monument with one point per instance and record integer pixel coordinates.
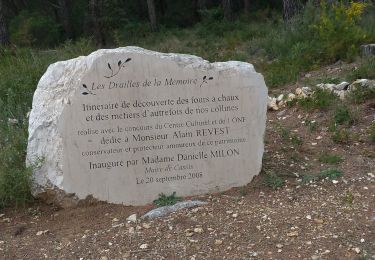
(124, 125)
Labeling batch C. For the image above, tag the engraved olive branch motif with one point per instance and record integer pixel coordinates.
(120, 65)
(87, 91)
(204, 80)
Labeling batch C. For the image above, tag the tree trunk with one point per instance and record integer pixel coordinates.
(95, 20)
(152, 15)
(291, 8)
(227, 10)
(202, 5)
(246, 4)
(198, 7)
(4, 34)
(65, 16)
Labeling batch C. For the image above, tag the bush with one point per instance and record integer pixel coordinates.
(372, 132)
(320, 99)
(341, 136)
(342, 115)
(14, 176)
(331, 174)
(361, 95)
(366, 70)
(330, 158)
(316, 37)
(33, 29)
(272, 180)
(165, 200)
(338, 30)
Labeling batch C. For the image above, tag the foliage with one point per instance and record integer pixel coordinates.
(14, 176)
(329, 80)
(318, 36)
(366, 70)
(338, 30)
(330, 158)
(372, 132)
(33, 29)
(343, 115)
(331, 174)
(272, 180)
(165, 200)
(320, 99)
(340, 136)
(361, 95)
(348, 198)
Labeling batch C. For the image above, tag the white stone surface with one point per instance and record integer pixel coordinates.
(62, 133)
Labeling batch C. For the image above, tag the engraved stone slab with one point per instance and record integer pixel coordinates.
(127, 124)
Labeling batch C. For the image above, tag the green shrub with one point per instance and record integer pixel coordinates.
(33, 29)
(338, 30)
(343, 115)
(331, 174)
(320, 99)
(361, 95)
(341, 136)
(329, 80)
(366, 70)
(372, 132)
(307, 178)
(272, 180)
(316, 37)
(348, 198)
(330, 158)
(14, 176)
(165, 200)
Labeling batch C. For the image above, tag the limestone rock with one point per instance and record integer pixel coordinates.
(307, 91)
(358, 83)
(300, 93)
(162, 211)
(132, 218)
(72, 127)
(272, 104)
(342, 86)
(368, 49)
(327, 86)
(340, 93)
(280, 97)
(291, 97)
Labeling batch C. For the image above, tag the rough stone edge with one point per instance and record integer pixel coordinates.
(165, 210)
(48, 178)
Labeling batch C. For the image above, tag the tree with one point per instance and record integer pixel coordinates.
(95, 8)
(152, 15)
(247, 5)
(65, 16)
(227, 7)
(4, 34)
(198, 7)
(291, 8)
(202, 5)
